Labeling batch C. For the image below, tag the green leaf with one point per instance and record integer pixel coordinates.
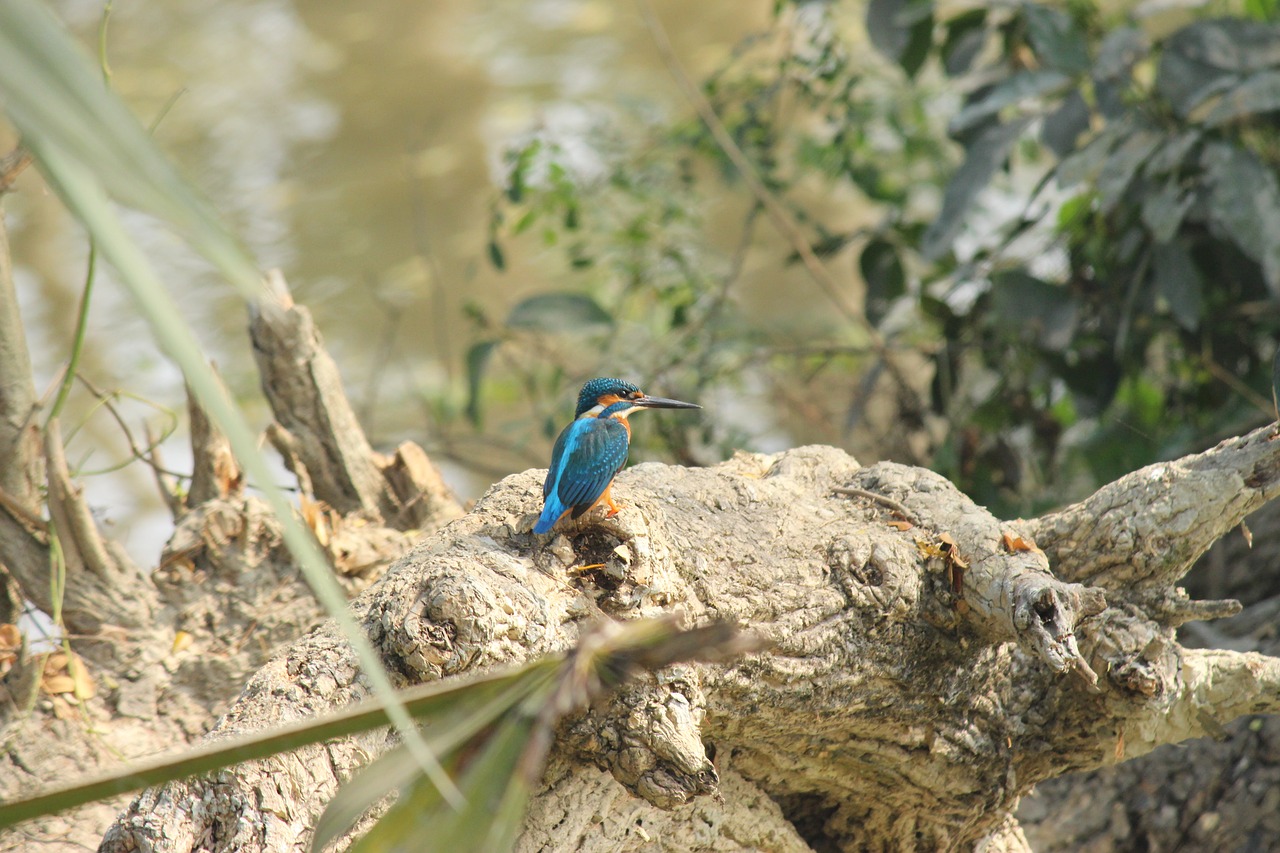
(1075, 212)
(1208, 57)
(1120, 50)
(92, 151)
(55, 95)
(1262, 10)
(1125, 161)
(1174, 154)
(498, 751)
(1164, 209)
(1179, 282)
(449, 729)
(521, 164)
(1244, 205)
(496, 795)
(885, 278)
(1062, 128)
(1259, 93)
(558, 312)
(496, 257)
(1019, 87)
(982, 158)
(919, 41)
(902, 30)
(1086, 164)
(1056, 39)
(442, 697)
(966, 34)
(478, 357)
(1043, 313)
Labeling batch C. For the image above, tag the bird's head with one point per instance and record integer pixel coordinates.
(599, 394)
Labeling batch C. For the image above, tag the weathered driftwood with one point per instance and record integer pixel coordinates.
(172, 647)
(923, 678)
(22, 551)
(319, 436)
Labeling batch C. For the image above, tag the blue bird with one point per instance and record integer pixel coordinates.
(592, 450)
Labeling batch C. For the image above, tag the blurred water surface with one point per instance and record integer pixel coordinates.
(355, 146)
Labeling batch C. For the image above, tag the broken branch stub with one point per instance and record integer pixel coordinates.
(1137, 537)
(303, 386)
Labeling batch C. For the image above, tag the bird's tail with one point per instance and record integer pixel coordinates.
(550, 515)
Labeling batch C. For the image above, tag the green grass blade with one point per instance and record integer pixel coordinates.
(496, 797)
(447, 731)
(439, 700)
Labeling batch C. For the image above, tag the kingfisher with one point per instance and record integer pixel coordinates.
(592, 450)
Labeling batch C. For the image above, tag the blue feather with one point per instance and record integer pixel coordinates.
(587, 456)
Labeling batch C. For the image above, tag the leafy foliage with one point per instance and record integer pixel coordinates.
(1149, 331)
(1096, 287)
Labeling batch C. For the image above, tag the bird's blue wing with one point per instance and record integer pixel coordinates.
(552, 508)
(587, 456)
(557, 456)
(592, 463)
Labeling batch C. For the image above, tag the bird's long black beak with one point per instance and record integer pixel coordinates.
(663, 403)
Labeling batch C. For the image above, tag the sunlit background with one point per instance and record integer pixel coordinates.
(367, 151)
(358, 148)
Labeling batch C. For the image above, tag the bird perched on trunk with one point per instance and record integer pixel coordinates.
(592, 450)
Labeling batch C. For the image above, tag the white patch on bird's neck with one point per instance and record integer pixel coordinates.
(594, 412)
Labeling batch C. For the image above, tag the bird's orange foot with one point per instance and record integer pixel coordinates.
(614, 508)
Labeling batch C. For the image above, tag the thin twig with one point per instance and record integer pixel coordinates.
(773, 208)
(1262, 404)
(880, 499)
(106, 399)
(11, 166)
(22, 513)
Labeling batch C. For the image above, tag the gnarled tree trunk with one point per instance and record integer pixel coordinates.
(931, 664)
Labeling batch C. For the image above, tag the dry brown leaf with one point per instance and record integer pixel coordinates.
(67, 674)
(64, 710)
(951, 548)
(85, 687)
(60, 683)
(228, 474)
(10, 644)
(901, 525)
(313, 515)
(182, 641)
(930, 550)
(10, 638)
(1014, 543)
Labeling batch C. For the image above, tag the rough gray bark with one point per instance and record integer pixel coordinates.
(21, 550)
(923, 679)
(1220, 793)
(319, 436)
